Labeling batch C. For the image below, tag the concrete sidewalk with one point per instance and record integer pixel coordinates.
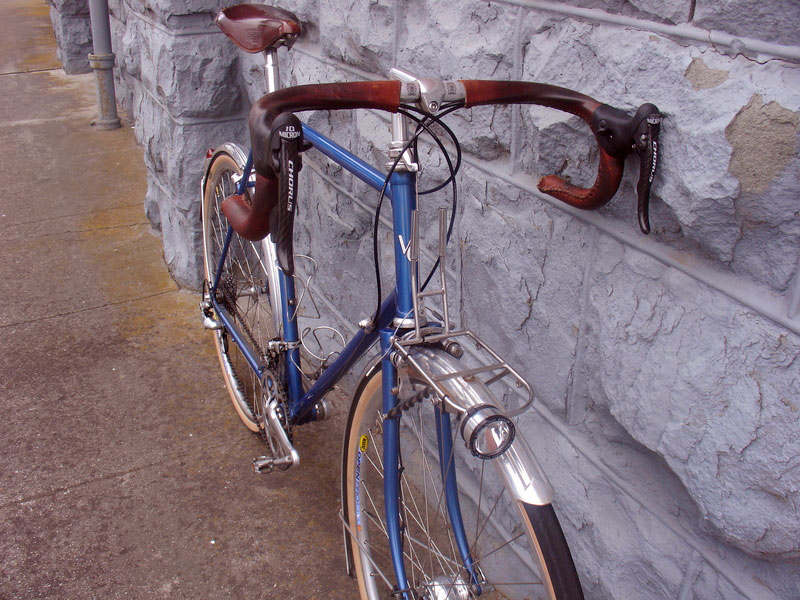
(125, 471)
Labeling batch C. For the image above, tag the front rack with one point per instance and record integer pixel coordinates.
(485, 361)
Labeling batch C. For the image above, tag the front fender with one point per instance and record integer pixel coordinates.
(518, 466)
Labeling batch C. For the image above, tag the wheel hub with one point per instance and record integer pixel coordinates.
(445, 588)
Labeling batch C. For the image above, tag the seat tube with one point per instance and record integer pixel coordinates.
(391, 463)
(290, 334)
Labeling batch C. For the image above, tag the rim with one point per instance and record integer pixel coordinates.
(246, 289)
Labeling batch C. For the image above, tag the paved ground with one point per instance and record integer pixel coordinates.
(125, 472)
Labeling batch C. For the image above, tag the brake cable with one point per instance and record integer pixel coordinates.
(422, 126)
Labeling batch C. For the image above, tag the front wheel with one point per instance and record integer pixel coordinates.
(518, 550)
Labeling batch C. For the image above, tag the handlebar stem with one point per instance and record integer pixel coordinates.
(430, 93)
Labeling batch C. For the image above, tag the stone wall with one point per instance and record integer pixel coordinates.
(73, 32)
(665, 366)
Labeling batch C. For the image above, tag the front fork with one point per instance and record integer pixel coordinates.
(393, 472)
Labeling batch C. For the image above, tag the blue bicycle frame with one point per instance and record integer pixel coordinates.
(401, 190)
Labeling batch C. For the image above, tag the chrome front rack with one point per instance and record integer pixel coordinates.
(484, 362)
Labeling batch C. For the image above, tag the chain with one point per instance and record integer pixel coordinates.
(407, 403)
(271, 368)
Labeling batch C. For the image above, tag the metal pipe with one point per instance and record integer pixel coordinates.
(102, 61)
(736, 44)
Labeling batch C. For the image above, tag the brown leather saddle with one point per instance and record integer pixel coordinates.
(255, 27)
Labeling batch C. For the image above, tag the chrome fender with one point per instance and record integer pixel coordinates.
(517, 466)
(237, 152)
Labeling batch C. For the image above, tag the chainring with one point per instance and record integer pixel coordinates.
(273, 388)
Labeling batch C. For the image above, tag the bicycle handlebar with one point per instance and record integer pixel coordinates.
(616, 133)
(609, 173)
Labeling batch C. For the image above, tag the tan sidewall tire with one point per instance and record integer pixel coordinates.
(221, 163)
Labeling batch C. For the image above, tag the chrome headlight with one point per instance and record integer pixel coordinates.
(487, 432)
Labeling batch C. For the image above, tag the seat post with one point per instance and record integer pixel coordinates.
(271, 70)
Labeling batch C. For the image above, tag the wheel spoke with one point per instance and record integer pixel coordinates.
(488, 517)
(429, 472)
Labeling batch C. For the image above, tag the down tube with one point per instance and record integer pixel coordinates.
(355, 349)
(302, 404)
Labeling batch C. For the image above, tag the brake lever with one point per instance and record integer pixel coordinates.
(646, 146)
(286, 143)
(619, 134)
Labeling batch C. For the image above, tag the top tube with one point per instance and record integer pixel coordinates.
(366, 173)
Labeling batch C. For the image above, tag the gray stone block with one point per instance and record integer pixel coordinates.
(457, 40)
(128, 35)
(764, 138)
(74, 37)
(125, 44)
(610, 525)
(195, 76)
(70, 7)
(305, 69)
(358, 33)
(777, 21)
(525, 260)
(682, 369)
(642, 542)
(183, 14)
(667, 10)
(174, 157)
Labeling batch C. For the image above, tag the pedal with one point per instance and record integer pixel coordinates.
(263, 464)
(267, 464)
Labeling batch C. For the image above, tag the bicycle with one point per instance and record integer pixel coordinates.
(423, 516)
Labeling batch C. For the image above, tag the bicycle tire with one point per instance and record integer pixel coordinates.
(544, 550)
(244, 289)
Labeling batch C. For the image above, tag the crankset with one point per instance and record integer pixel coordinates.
(274, 423)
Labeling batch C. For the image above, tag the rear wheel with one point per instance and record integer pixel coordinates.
(519, 549)
(243, 290)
